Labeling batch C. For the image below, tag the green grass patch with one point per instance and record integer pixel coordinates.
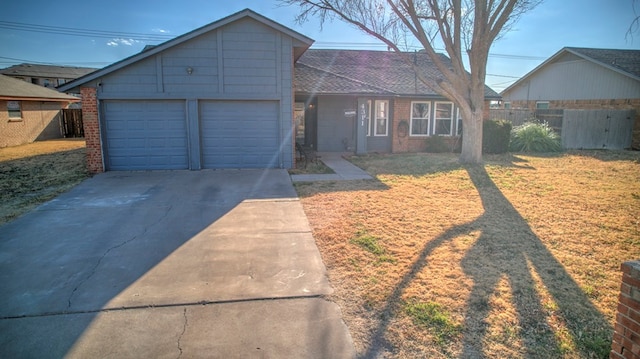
(433, 317)
(370, 244)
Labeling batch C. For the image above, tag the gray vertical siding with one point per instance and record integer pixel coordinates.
(574, 79)
(243, 60)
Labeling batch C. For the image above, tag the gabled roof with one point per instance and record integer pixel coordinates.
(625, 62)
(14, 89)
(322, 71)
(301, 44)
(47, 71)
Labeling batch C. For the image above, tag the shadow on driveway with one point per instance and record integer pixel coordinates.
(165, 264)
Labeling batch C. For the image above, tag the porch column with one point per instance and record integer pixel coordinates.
(90, 122)
(361, 127)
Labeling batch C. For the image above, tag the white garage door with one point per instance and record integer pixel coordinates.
(145, 135)
(239, 134)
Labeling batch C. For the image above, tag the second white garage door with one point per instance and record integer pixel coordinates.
(239, 134)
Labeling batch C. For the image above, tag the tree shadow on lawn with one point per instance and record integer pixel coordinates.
(498, 254)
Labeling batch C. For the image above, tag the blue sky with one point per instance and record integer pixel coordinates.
(538, 35)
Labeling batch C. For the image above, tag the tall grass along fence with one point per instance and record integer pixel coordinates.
(579, 129)
(626, 337)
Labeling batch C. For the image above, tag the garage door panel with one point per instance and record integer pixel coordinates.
(143, 135)
(239, 134)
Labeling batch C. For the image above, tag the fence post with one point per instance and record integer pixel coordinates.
(626, 336)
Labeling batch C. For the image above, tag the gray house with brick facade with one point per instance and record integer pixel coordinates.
(581, 78)
(371, 101)
(238, 92)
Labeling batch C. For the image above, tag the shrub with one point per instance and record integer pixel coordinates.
(495, 136)
(534, 137)
(437, 144)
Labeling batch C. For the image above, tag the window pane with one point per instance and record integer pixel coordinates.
(542, 105)
(443, 127)
(444, 118)
(420, 126)
(443, 110)
(381, 117)
(420, 110)
(13, 108)
(420, 114)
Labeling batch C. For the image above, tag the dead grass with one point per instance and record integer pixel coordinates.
(519, 257)
(34, 173)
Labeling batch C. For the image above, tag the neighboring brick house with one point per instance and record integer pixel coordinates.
(372, 101)
(29, 112)
(581, 78)
(49, 76)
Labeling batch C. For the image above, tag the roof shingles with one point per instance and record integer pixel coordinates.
(324, 71)
(11, 88)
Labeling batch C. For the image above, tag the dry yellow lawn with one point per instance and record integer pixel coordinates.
(516, 258)
(34, 173)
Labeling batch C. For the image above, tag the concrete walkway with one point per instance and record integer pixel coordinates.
(344, 170)
(191, 264)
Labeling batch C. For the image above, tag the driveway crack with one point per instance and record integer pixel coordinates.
(104, 255)
(184, 329)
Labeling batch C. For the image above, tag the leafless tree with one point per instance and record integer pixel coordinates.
(635, 24)
(462, 27)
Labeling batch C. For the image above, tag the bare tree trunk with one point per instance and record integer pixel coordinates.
(472, 138)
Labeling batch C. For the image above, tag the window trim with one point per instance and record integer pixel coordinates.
(435, 118)
(458, 122)
(375, 126)
(428, 118)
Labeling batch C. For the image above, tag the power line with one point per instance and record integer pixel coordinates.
(83, 32)
(58, 30)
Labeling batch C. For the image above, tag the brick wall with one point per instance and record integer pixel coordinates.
(91, 129)
(40, 121)
(620, 104)
(626, 338)
(404, 142)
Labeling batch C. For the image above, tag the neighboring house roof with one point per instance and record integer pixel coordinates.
(14, 89)
(301, 44)
(625, 62)
(323, 71)
(47, 71)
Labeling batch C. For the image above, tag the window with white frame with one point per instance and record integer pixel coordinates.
(459, 123)
(542, 105)
(443, 118)
(14, 110)
(420, 116)
(381, 118)
(368, 115)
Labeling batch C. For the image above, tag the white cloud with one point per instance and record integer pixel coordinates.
(161, 31)
(120, 41)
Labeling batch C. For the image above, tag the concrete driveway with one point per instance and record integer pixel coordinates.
(167, 265)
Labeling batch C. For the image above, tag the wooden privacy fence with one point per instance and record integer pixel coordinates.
(597, 129)
(579, 129)
(71, 122)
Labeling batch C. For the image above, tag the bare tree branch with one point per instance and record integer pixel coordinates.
(470, 25)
